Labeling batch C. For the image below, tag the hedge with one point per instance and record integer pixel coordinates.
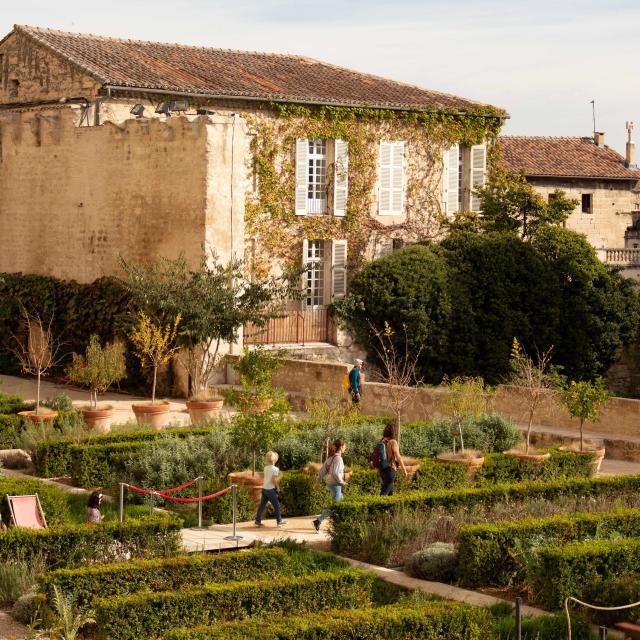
(95, 465)
(488, 552)
(149, 615)
(54, 501)
(442, 620)
(54, 458)
(74, 545)
(351, 517)
(561, 464)
(572, 569)
(614, 592)
(173, 574)
(13, 404)
(301, 496)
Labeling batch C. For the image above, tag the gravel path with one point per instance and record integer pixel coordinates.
(10, 629)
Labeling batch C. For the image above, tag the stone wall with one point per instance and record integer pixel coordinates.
(612, 202)
(75, 198)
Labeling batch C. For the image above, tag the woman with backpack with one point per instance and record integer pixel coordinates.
(386, 458)
(333, 473)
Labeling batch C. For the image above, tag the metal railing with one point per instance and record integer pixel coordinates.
(292, 327)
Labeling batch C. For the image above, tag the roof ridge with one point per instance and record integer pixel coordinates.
(523, 137)
(36, 30)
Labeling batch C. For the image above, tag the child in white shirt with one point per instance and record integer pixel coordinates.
(270, 489)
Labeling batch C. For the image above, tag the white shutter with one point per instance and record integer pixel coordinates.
(478, 169)
(305, 266)
(340, 177)
(338, 269)
(452, 177)
(302, 176)
(391, 178)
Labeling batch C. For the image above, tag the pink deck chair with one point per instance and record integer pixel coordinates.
(26, 511)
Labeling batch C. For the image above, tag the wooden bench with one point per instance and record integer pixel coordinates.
(631, 631)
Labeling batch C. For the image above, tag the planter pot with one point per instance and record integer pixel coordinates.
(251, 482)
(261, 405)
(44, 417)
(535, 458)
(157, 415)
(472, 464)
(598, 454)
(204, 410)
(411, 465)
(312, 468)
(99, 419)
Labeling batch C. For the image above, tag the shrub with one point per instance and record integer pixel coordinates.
(94, 465)
(572, 569)
(614, 591)
(351, 516)
(150, 615)
(561, 464)
(53, 500)
(18, 577)
(174, 574)
(442, 620)
(72, 545)
(299, 496)
(11, 427)
(13, 404)
(548, 627)
(27, 607)
(436, 562)
(220, 510)
(490, 554)
(433, 475)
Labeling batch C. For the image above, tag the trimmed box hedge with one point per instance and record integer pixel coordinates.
(351, 516)
(95, 465)
(573, 569)
(172, 574)
(73, 545)
(442, 620)
(54, 458)
(151, 614)
(486, 551)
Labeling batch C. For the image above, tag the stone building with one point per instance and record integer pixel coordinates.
(115, 147)
(604, 183)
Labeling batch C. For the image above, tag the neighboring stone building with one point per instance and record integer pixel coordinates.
(604, 183)
(117, 147)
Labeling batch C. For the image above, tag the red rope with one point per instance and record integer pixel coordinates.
(209, 497)
(162, 491)
(138, 489)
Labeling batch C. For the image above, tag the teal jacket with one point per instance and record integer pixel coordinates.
(354, 380)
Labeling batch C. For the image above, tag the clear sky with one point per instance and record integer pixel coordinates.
(542, 60)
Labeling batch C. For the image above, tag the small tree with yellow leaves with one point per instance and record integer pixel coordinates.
(154, 344)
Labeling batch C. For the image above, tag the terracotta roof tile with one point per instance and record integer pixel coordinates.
(563, 157)
(222, 72)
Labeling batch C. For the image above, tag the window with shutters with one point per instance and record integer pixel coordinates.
(391, 178)
(464, 170)
(315, 264)
(338, 269)
(317, 177)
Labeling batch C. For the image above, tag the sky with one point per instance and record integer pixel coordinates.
(542, 61)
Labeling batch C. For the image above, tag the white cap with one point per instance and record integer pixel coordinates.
(358, 362)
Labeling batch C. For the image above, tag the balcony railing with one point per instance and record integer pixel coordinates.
(292, 327)
(626, 257)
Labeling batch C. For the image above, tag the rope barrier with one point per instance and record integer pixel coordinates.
(591, 606)
(162, 493)
(209, 497)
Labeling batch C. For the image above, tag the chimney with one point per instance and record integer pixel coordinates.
(598, 138)
(630, 159)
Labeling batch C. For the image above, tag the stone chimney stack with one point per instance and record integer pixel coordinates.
(598, 138)
(630, 160)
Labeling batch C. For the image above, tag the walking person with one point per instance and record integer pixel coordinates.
(355, 385)
(333, 473)
(270, 487)
(93, 507)
(386, 459)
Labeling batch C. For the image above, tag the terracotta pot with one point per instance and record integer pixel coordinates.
(411, 465)
(597, 453)
(204, 410)
(472, 464)
(45, 417)
(261, 405)
(251, 482)
(536, 458)
(312, 468)
(157, 415)
(99, 419)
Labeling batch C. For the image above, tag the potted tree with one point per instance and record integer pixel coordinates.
(534, 379)
(98, 369)
(155, 346)
(37, 351)
(256, 369)
(586, 400)
(466, 397)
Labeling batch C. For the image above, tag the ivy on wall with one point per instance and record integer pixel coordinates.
(270, 219)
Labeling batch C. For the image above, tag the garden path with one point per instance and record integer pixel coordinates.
(10, 629)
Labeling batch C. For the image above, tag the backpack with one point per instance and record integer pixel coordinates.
(379, 458)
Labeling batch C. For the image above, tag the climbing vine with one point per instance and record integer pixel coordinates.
(272, 225)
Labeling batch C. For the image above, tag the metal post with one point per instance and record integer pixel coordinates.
(603, 633)
(234, 500)
(121, 503)
(152, 499)
(518, 618)
(200, 502)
